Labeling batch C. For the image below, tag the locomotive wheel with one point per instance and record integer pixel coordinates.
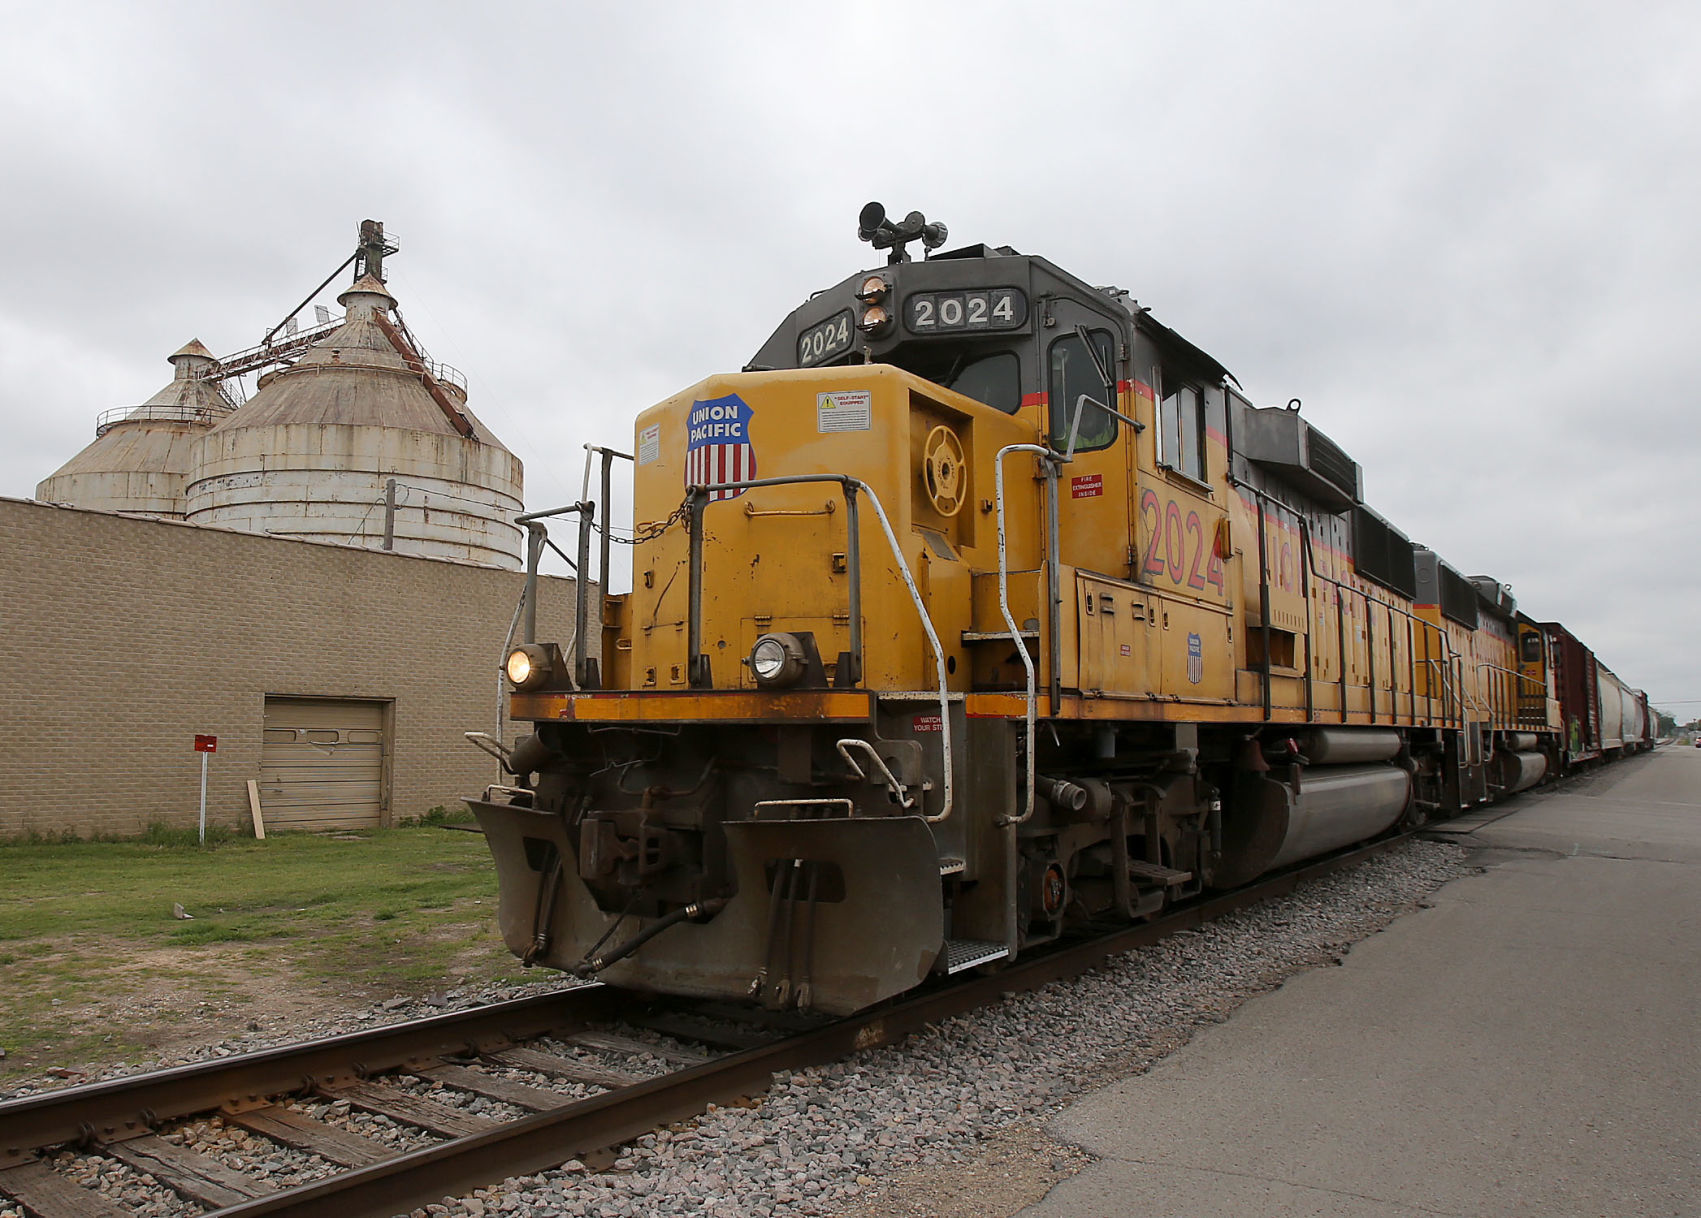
(942, 470)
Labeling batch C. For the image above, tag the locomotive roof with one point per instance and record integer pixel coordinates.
(1015, 292)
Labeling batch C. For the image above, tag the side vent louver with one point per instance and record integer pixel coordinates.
(1297, 453)
(1439, 584)
(1330, 463)
(1383, 554)
(1458, 598)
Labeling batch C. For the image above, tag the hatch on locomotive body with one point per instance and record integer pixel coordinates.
(979, 605)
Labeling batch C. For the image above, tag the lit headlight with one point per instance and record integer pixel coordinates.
(528, 666)
(874, 319)
(873, 289)
(777, 660)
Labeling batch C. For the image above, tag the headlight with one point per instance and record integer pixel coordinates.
(528, 666)
(777, 660)
(874, 319)
(873, 289)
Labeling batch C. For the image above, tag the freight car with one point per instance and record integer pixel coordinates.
(1600, 717)
(979, 608)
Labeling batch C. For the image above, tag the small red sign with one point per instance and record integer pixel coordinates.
(206, 744)
(928, 723)
(1087, 486)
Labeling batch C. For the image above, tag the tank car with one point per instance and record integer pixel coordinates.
(979, 608)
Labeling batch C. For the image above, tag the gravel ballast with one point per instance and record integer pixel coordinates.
(857, 1137)
(863, 1137)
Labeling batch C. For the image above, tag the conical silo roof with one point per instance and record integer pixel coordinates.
(356, 376)
(311, 453)
(139, 459)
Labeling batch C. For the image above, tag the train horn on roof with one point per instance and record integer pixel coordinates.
(873, 227)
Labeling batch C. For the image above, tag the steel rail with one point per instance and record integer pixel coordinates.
(124, 1107)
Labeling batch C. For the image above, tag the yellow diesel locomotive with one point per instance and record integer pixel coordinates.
(980, 607)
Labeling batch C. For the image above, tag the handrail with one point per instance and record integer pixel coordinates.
(536, 538)
(1470, 695)
(697, 499)
(1010, 618)
(1305, 561)
(1453, 691)
(840, 802)
(1412, 621)
(607, 492)
(1264, 604)
(1464, 696)
(1518, 694)
(1448, 694)
(153, 413)
(892, 784)
(1370, 652)
(1542, 685)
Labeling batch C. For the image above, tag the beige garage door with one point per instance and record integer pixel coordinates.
(322, 764)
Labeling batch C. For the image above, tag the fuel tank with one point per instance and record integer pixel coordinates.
(1272, 824)
(1347, 746)
(1519, 771)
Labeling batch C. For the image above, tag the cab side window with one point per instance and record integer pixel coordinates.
(1071, 376)
(1181, 425)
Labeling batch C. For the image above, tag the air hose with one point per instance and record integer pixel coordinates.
(590, 966)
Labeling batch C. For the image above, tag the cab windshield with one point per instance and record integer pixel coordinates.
(993, 378)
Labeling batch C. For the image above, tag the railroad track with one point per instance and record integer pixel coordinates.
(563, 1076)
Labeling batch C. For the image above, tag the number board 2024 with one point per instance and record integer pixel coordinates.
(825, 339)
(950, 312)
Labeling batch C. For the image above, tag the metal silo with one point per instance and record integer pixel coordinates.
(363, 441)
(139, 459)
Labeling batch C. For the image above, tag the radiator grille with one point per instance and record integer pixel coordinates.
(1458, 598)
(1383, 555)
(1328, 462)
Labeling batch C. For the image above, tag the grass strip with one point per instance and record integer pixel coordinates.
(96, 966)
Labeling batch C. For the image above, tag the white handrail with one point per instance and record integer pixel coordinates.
(1009, 618)
(892, 784)
(932, 637)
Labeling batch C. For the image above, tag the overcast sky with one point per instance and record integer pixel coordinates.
(1465, 235)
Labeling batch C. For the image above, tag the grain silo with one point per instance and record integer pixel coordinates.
(363, 441)
(139, 459)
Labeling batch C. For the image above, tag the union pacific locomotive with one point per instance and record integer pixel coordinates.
(978, 609)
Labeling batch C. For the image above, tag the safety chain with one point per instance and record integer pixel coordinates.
(655, 530)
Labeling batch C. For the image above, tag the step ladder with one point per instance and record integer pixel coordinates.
(960, 954)
(1152, 872)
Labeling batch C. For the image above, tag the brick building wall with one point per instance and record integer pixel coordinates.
(121, 639)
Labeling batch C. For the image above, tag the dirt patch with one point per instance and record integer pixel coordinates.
(168, 1004)
(272, 992)
(1012, 1169)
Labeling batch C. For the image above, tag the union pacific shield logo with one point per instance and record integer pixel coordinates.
(717, 447)
(1195, 658)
